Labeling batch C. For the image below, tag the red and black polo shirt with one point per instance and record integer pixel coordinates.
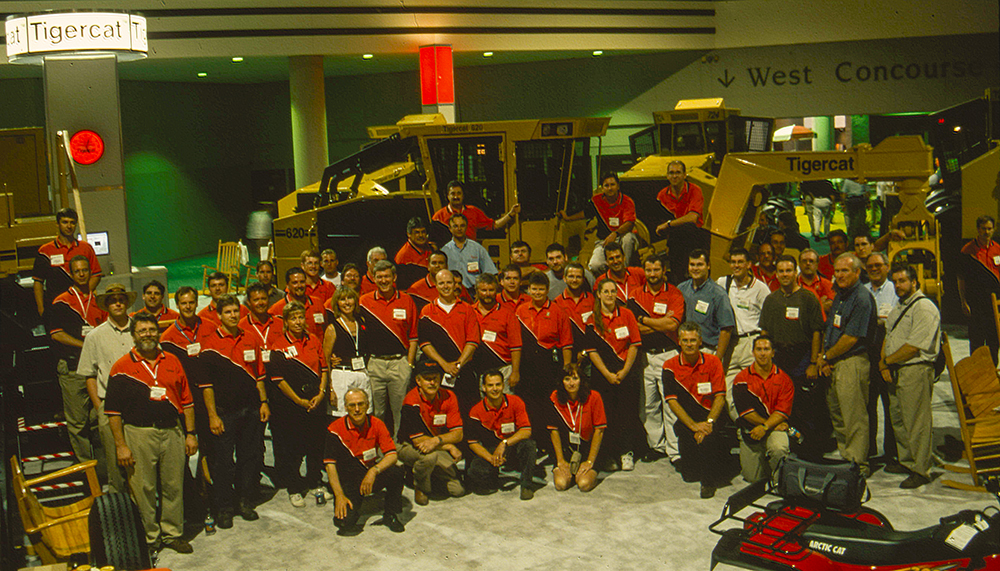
(367, 284)
(547, 326)
(621, 331)
(186, 343)
(691, 199)
(611, 215)
(164, 314)
(355, 447)
(577, 418)
(412, 255)
(694, 386)
(647, 303)
(147, 393)
(763, 395)
(321, 291)
(390, 323)
(428, 418)
(488, 426)
(211, 314)
(580, 313)
(633, 280)
(988, 257)
(476, 217)
(820, 286)
(52, 266)
(448, 331)
(233, 365)
(826, 266)
(500, 334)
(503, 298)
(315, 314)
(423, 292)
(74, 313)
(298, 362)
(771, 280)
(267, 331)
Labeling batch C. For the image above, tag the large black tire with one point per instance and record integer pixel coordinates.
(117, 537)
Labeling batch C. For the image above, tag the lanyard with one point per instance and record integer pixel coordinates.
(263, 336)
(354, 336)
(575, 417)
(180, 329)
(90, 298)
(152, 372)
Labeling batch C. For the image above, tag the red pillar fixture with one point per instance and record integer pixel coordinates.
(437, 81)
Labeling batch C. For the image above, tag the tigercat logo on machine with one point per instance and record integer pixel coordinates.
(808, 166)
(827, 547)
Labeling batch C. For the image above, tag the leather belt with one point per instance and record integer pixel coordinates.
(387, 357)
(748, 334)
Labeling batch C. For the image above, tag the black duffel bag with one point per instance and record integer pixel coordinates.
(835, 485)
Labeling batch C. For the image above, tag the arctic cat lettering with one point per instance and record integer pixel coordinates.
(827, 547)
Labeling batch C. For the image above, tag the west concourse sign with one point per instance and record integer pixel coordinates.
(31, 37)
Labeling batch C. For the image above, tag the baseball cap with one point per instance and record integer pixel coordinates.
(426, 365)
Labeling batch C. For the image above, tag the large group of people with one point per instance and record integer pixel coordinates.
(505, 370)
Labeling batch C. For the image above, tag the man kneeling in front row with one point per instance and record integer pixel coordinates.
(352, 449)
(499, 434)
(764, 395)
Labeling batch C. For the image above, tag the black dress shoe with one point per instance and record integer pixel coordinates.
(178, 545)
(707, 491)
(349, 530)
(914, 481)
(895, 468)
(393, 523)
(225, 520)
(247, 512)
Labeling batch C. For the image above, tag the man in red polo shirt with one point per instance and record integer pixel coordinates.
(683, 204)
(627, 279)
(152, 299)
(295, 290)
(430, 431)
(316, 286)
(261, 323)
(694, 387)
(838, 245)
(424, 290)
(763, 395)
(148, 398)
(237, 407)
(476, 217)
(72, 315)
(810, 279)
(659, 308)
(218, 287)
(413, 257)
(500, 332)
(764, 269)
(353, 445)
(448, 332)
(390, 318)
(51, 271)
(510, 294)
(499, 433)
(979, 277)
(615, 214)
(577, 301)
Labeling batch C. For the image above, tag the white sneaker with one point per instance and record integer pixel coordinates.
(327, 494)
(297, 500)
(628, 464)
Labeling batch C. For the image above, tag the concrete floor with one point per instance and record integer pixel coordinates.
(648, 518)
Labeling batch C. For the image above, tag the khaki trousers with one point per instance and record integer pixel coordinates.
(78, 411)
(424, 465)
(159, 454)
(116, 477)
(848, 402)
(742, 357)
(390, 380)
(910, 409)
(759, 458)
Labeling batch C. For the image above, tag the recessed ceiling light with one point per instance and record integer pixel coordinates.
(368, 56)
(487, 54)
(237, 59)
(597, 53)
(202, 74)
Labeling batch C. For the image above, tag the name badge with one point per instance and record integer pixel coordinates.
(883, 310)
(265, 356)
(473, 267)
(574, 437)
(399, 313)
(440, 419)
(613, 222)
(996, 260)
(317, 318)
(368, 454)
(249, 356)
(85, 330)
(291, 351)
(193, 349)
(660, 308)
(358, 363)
(585, 316)
(490, 336)
(704, 388)
(157, 393)
(57, 260)
(791, 313)
(836, 321)
(701, 306)
(507, 428)
(621, 332)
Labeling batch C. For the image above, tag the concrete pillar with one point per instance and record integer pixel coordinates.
(825, 134)
(309, 138)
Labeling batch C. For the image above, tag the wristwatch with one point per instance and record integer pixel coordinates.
(710, 420)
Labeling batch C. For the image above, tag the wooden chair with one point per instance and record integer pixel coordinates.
(976, 386)
(227, 262)
(55, 532)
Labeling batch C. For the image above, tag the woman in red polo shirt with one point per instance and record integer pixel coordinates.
(613, 344)
(576, 429)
